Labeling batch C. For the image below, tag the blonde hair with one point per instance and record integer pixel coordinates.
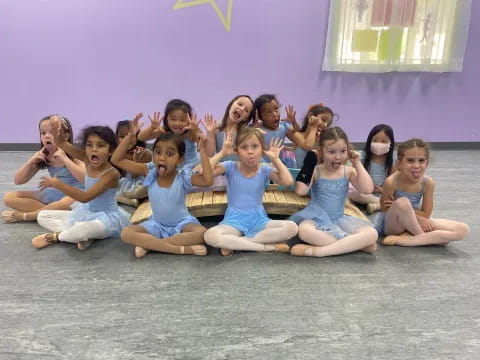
(247, 132)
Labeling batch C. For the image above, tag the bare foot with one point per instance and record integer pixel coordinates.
(140, 252)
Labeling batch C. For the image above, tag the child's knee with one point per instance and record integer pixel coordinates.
(127, 235)
(212, 237)
(463, 230)
(402, 203)
(304, 229)
(8, 198)
(291, 229)
(371, 233)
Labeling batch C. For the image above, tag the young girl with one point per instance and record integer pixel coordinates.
(317, 119)
(378, 159)
(27, 204)
(323, 223)
(268, 110)
(179, 120)
(171, 229)
(407, 199)
(131, 188)
(97, 215)
(238, 114)
(246, 225)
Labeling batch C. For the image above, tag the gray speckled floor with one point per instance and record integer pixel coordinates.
(402, 303)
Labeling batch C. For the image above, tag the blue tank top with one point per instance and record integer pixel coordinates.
(330, 194)
(63, 174)
(414, 198)
(106, 201)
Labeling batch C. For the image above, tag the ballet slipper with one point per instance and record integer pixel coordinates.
(44, 240)
(84, 245)
(9, 216)
(282, 248)
(140, 252)
(199, 250)
(300, 250)
(127, 201)
(370, 249)
(391, 240)
(226, 252)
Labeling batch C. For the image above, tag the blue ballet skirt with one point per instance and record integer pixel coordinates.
(50, 194)
(326, 208)
(103, 208)
(169, 213)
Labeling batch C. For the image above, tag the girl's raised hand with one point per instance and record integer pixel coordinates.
(354, 157)
(192, 123)
(209, 123)
(46, 181)
(227, 147)
(273, 152)
(156, 121)
(58, 129)
(39, 156)
(291, 114)
(137, 153)
(135, 124)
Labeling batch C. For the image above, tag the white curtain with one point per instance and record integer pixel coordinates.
(397, 35)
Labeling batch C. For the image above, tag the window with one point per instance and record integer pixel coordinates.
(397, 35)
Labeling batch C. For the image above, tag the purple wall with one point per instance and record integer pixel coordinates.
(98, 62)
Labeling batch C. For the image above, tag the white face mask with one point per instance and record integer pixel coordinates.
(379, 148)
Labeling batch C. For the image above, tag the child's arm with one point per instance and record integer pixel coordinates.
(204, 179)
(119, 155)
(227, 149)
(280, 175)
(107, 181)
(60, 139)
(154, 130)
(387, 197)
(305, 177)
(30, 168)
(359, 177)
(427, 200)
(76, 167)
(211, 128)
(306, 140)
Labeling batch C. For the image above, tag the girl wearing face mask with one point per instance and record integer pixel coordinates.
(378, 159)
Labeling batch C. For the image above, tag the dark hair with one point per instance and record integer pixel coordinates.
(262, 100)
(223, 125)
(67, 128)
(334, 133)
(103, 132)
(315, 110)
(368, 152)
(126, 123)
(172, 105)
(171, 137)
(410, 144)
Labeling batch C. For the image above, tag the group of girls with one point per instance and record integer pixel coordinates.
(77, 203)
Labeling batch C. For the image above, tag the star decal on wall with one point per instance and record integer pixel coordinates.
(226, 20)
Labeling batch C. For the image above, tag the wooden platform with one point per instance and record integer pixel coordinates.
(214, 203)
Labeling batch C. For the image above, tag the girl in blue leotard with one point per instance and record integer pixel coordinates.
(171, 228)
(96, 214)
(407, 203)
(178, 119)
(322, 224)
(27, 204)
(246, 225)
